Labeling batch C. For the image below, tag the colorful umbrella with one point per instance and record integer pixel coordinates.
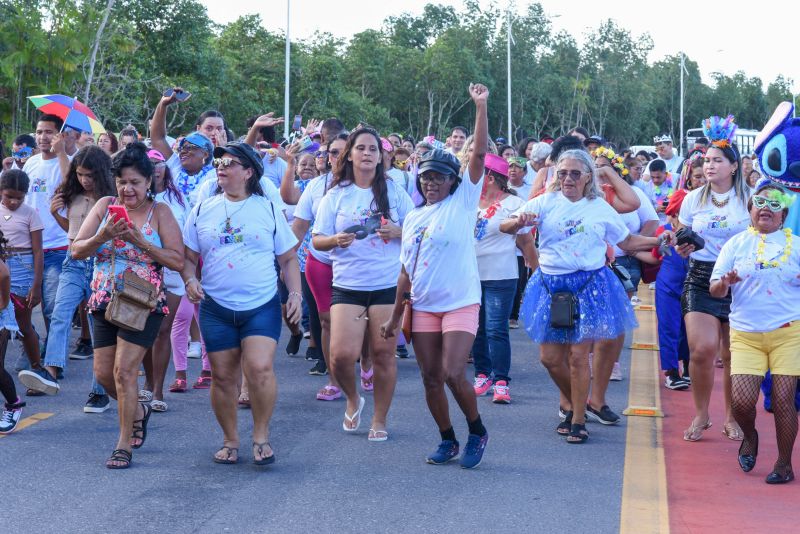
(74, 114)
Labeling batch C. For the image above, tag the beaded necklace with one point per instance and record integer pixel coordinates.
(762, 241)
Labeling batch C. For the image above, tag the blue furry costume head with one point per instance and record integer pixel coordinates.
(778, 151)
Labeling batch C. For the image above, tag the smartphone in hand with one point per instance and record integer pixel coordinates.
(180, 96)
(118, 212)
(298, 122)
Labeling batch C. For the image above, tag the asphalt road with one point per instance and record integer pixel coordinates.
(324, 480)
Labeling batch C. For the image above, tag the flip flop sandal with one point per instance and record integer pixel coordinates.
(143, 428)
(244, 401)
(229, 451)
(695, 433)
(577, 434)
(732, 433)
(265, 460)
(356, 417)
(158, 405)
(565, 426)
(377, 435)
(329, 393)
(145, 396)
(178, 386)
(203, 382)
(119, 455)
(366, 380)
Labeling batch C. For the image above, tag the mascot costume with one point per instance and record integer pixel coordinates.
(778, 151)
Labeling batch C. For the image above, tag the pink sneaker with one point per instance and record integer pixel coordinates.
(329, 393)
(501, 395)
(482, 385)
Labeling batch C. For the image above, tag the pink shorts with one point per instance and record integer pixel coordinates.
(461, 320)
(319, 276)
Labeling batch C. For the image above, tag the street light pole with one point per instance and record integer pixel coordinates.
(508, 74)
(680, 143)
(286, 120)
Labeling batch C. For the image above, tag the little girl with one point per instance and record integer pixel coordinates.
(22, 227)
(12, 409)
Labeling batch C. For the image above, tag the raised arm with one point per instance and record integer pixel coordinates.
(480, 145)
(625, 199)
(289, 193)
(261, 122)
(158, 128)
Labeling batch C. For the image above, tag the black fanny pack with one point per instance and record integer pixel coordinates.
(564, 307)
(624, 276)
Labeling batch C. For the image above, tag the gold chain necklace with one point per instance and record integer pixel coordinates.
(720, 203)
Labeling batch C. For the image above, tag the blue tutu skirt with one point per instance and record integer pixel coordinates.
(604, 311)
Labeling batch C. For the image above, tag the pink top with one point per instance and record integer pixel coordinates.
(17, 225)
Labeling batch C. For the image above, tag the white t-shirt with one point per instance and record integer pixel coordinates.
(767, 296)
(367, 264)
(573, 235)
(172, 279)
(636, 219)
(496, 251)
(187, 184)
(274, 171)
(45, 177)
(715, 225)
(402, 178)
(673, 164)
(209, 189)
(443, 235)
(239, 260)
(307, 208)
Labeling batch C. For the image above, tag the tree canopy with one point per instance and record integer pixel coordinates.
(410, 75)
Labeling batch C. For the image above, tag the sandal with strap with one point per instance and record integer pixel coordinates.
(732, 432)
(695, 433)
(577, 434)
(229, 452)
(329, 393)
(377, 435)
(258, 448)
(178, 386)
(203, 382)
(366, 380)
(119, 455)
(564, 426)
(141, 431)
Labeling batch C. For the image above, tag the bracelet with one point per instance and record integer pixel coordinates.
(192, 279)
(296, 293)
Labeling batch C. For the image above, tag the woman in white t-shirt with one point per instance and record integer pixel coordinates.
(716, 212)
(440, 275)
(358, 221)
(761, 268)
(497, 267)
(239, 235)
(574, 224)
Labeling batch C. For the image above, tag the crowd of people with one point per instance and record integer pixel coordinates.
(367, 243)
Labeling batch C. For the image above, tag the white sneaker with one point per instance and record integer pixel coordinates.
(195, 350)
(635, 300)
(616, 373)
(9, 419)
(652, 286)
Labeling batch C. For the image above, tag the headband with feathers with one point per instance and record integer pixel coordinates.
(720, 132)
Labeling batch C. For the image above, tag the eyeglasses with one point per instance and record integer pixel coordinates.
(224, 163)
(433, 178)
(762, 202)
(575, 175)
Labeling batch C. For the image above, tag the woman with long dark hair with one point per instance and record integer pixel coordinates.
(359, 222)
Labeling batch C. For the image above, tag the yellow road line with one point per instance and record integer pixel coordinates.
(644, 487)
(28, 421)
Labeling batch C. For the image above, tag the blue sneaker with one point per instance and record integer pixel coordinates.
(448, 449)
(39, 380)
(473, 452)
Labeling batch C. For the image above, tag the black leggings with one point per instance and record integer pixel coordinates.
(7, 387)
(524, 274)
(313, 314)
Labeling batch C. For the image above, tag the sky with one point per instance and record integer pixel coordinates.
(735, 27)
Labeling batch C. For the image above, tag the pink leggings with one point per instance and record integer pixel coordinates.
(180, 335)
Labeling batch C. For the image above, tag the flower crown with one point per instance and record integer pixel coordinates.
(618, 162)
(720, 132)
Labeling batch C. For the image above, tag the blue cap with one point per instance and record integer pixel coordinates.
(198, 139)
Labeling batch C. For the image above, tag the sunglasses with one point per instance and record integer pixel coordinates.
(321, 155)
(224, 163)
(574, 175)
(187, 146)
(762, 202)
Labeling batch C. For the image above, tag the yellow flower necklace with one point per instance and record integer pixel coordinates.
(762, 244)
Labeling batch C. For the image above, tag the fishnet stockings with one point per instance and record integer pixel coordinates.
(745, 390)
(783, 391)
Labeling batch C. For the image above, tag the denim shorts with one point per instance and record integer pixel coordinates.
(20, 266)
(224, 329)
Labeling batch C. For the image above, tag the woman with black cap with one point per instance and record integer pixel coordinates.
(440, 274)
(238, 235)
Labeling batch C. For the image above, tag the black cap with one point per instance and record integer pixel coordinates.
(594, 139)
(438, 160)
(245, 153)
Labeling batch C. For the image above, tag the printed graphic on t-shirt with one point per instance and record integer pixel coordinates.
(483, 220)
(39, 185)
(718, 222)
(572, 227)
(230, 235)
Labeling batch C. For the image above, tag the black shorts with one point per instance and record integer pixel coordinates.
(696, 296)
(106, 334)
(365, 299)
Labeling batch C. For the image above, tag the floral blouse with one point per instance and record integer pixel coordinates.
(128, 258)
